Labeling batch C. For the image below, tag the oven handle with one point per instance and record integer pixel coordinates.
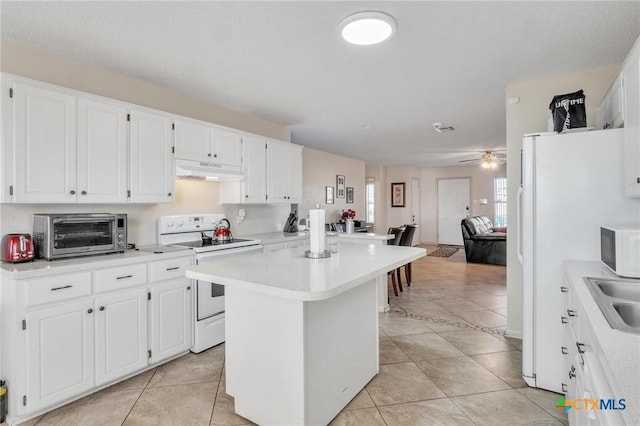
(81, 220)
(228, 252)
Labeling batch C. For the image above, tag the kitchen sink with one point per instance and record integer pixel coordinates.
(620, 290)
(629, 312)
(619, 301)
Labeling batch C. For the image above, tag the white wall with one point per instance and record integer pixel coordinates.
(320, 170)
(481, 183)
(530, 115)
(190, 196)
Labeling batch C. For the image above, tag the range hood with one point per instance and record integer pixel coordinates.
(190, 169)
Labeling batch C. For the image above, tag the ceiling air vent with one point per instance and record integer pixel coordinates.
(438, 127)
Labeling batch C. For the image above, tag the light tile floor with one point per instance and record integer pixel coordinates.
(444, 360)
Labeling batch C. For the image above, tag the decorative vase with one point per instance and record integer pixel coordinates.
(349, 226)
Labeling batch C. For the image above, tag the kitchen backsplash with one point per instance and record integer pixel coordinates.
(191, 197)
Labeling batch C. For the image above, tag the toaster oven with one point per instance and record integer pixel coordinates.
(58, 236)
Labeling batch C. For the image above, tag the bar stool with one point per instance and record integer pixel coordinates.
(406, 240)
(397, 236)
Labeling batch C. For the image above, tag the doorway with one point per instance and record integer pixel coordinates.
(453, 206)
(415, 207)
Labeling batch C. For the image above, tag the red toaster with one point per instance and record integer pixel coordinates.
(17, 248)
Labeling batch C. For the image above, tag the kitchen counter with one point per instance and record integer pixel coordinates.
(621, 350)
(41, 267)
(301, 334)
(281, 237)
(289, 274)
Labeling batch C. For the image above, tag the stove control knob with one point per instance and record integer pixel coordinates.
(170, 223)
(180, 222)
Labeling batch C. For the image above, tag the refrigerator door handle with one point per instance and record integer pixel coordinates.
(519, 231)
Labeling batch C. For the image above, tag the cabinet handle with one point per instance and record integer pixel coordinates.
(638, 180)
(189, 288)
(215, 155)
(246, 196)
(102, 308)
(84, 193)
(89, 311)
(61, 288)
(72, 192)
(208, 155)
(564, 320)
(173, 269)
(572, 313)
(169, 194)
(564, 289)
(565, 350)
(123, 277)
(580, 347)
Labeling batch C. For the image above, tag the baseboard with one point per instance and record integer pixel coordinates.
(513, 334)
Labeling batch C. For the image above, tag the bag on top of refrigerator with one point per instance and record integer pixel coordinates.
(568, 111)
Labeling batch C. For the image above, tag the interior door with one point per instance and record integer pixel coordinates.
(453, 201)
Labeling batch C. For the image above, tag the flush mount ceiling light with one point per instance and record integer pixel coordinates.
(366, 28)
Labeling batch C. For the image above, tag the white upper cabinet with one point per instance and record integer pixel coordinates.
(102, 152)
(254, 185)
(43, 144)
(204, 142)
(284, 172)
(631, 76)
(193, 140)
(63, 146)
(621, 107)
(272, 174)
(152, 174)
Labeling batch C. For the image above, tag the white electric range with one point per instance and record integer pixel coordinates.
(196, 232)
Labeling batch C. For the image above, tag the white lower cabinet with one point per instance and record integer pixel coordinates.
(121, 334)
(79, 331)
(59, 353)
(171, 319)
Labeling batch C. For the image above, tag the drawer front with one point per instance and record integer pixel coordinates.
(120, 277)
(57, 288)
(168, 269)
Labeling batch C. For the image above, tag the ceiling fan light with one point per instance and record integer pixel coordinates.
(367, 28)
(485, 165)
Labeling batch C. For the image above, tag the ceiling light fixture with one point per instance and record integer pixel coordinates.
(366, 28)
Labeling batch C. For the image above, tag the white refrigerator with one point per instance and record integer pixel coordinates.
(571, 184)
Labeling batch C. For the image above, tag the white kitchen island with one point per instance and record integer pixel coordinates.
(301, 334)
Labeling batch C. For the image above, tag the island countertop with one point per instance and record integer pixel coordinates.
(289, 274)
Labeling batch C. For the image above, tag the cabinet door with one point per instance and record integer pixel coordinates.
(44, 144)
(121, 335)
(152, 173)
(277, 172)
(193, 141)
(102, 152)
(59, 353)
(227, 147)
(294, 168)
(254, 168)
(171, 319)
(631, 99)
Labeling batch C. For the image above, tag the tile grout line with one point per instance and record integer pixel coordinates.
(139, 396)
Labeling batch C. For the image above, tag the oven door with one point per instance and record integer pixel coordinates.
(73, 235)
(210, 296)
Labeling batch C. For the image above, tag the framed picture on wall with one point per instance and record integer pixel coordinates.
(328, 191)
(397, 194)
(339, 186)
(349, 194)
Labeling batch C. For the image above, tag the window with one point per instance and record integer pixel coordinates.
(370, 200)
(500, 201)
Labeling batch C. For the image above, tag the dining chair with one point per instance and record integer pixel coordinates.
(406, 240)
(397, 236)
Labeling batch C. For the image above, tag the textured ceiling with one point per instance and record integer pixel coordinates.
(285, 62)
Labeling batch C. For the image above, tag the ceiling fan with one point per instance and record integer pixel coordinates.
(488, 160)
